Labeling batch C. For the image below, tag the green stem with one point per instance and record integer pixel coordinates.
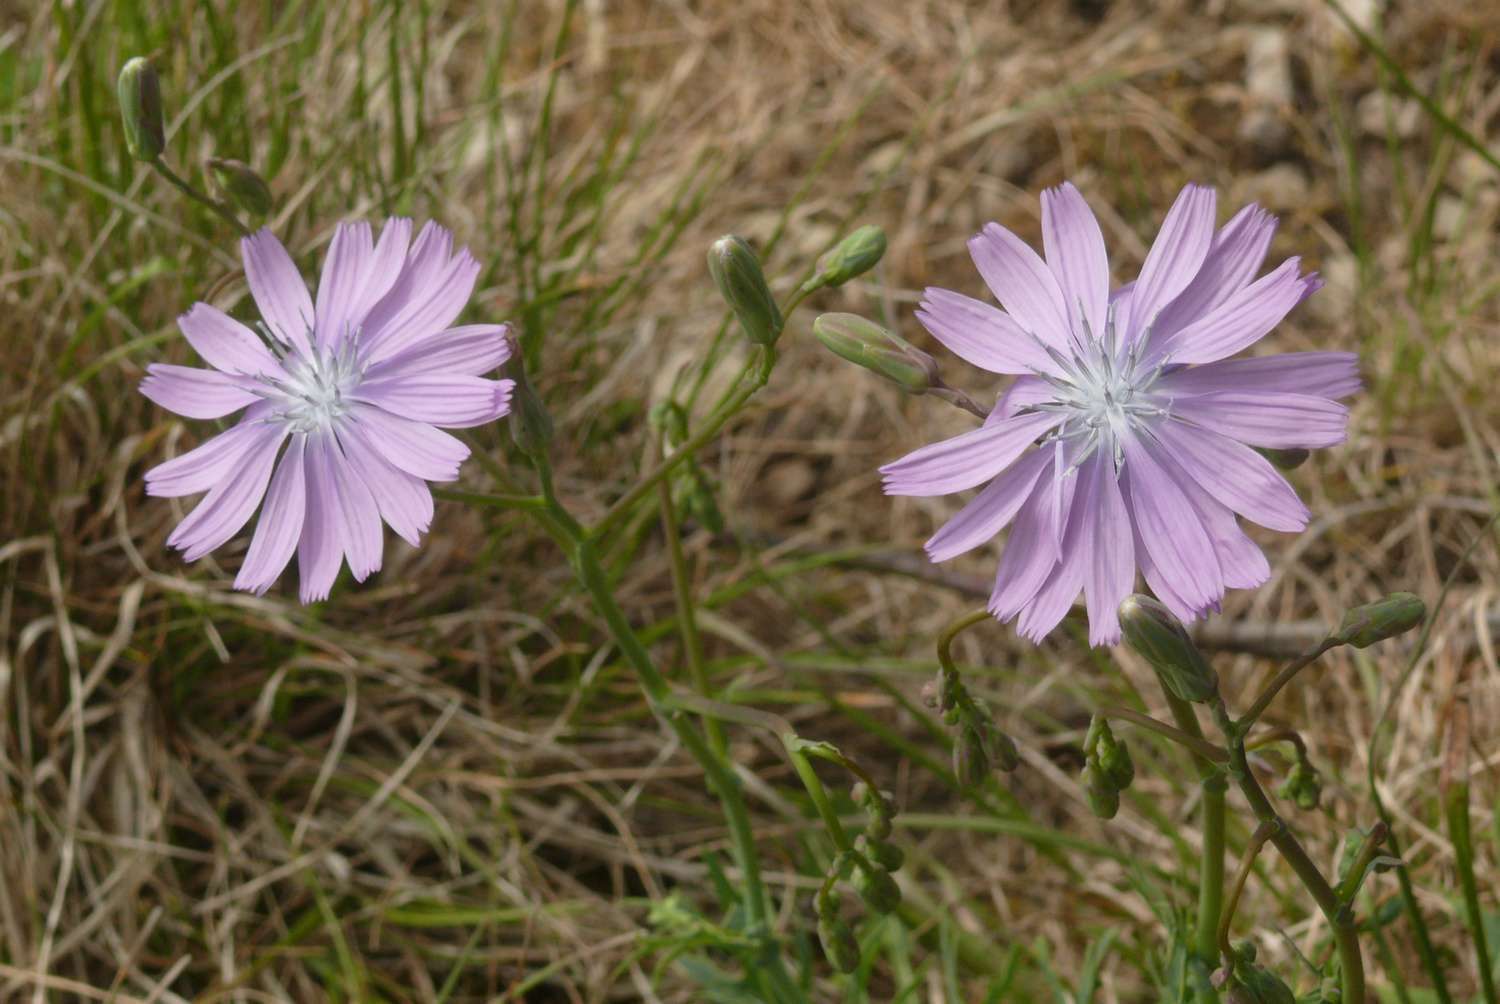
(1283, 678)
(1263, 832)
(1457, 806)
(1211, 866)
(187, 189)
(1197, 744)
(1340, 918)
(757, 371)
(819, 796)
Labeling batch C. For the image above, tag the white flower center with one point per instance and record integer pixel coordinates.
(318, 386)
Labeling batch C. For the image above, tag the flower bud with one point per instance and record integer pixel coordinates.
(530, 425)
(876, 887)
(865, 343)
(839, 944)
(1160, 639)
(1104, 798)
(139, 91)
(1114, 760)
(1002, 749)
(241, 185)
(887, 856)
(853, 256)
(736, 271)
(1287, 460)
(1386, 618)
(971, 763)
(1302, 786)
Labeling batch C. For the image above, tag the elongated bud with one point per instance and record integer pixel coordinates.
(239, 183)
(530, 425)
(1287, 460)
(1160, 639)
(139, 91)
(970, 761)
(1396, 614)
(1002, 749)
(839, 944)
(876, 887)
(853, 256)
(737, 273)
(865, 343)
(1103, 797)
(887, 856)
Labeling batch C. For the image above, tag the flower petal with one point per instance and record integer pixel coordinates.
(1175, 256)
(1169, 526)
(1022, 283)
(1032, 549)
(980, 334)
(278, 289)
(386, 264)
(1235, 475)
(196, 393)
(280, 523)
(320, 549)
(1274, 420)
(991, 510)
(468, 350)
(430, 294)
(415, 447)
(1108, 550)
(1025, 392)
(1323, 374)
(209, 462)
(1235, 256)
(356, 511)
(404, 501)
(226, 344)
(230, 503)
(1075, 251)
(1239, 322)
(1053, 600)
(453, 401)
(1241, 560)
(344, 273)
(965, 460)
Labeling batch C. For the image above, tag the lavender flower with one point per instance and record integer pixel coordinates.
(1126, 441)
(354, 387)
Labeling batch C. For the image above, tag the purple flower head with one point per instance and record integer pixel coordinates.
(1126, 440)
(347, 391)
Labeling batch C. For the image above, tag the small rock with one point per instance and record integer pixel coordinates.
(788, 481)
(1268, 93)
(1335, 301)
(1379, 113)
(1279, 188)
(1449, 217)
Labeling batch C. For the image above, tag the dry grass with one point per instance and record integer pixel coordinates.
(205, 795)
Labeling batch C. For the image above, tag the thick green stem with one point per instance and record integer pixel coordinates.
(1340, 917)
(187, 189)
(1197, 743)
(1211, 865)
(1283, 678)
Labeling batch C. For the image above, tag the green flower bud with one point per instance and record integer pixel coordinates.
(839, 944)
(139, 91)
(530, 425)
(241, 185)
(1264, 986)
(1386, 618)
(736, 271)
(1002, 749)
(971, 763)
(1160, 639)
(1115, 762)
(867, 344)
(1104, 798)
(853, 256)
(876, 887)
(887, 856)
(1302, 786)
(1287, 460)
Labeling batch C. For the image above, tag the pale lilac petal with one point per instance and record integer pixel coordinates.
(230, 503)
(463, 351)
(1238, 323)
(404, 501)
(1169, 526)
(1322, 374)
(1175, 256)
(980, 334)
(320, 550)
(1022, 283)
(429, 295)
(1269, 419)
(1025, 392)
(344, 273)
(452, 401)
(210, 462)
(196, 393)
(1235, 475)
(1055, 598)
(1162, 587)
(991, 510)
(280, 524)
(386, 264)
(356, 511)
(415, 447)
(226, 344)
(1241, 560)
(1108, 549)
(278, 289)
(1032, 550)
(965, 460)
(1075, 251)
(1237, 252)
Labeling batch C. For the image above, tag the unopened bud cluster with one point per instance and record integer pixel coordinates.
(1303, 786)
(1250, 983)
(868, 867)
(1107, 769)
(978, 744)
